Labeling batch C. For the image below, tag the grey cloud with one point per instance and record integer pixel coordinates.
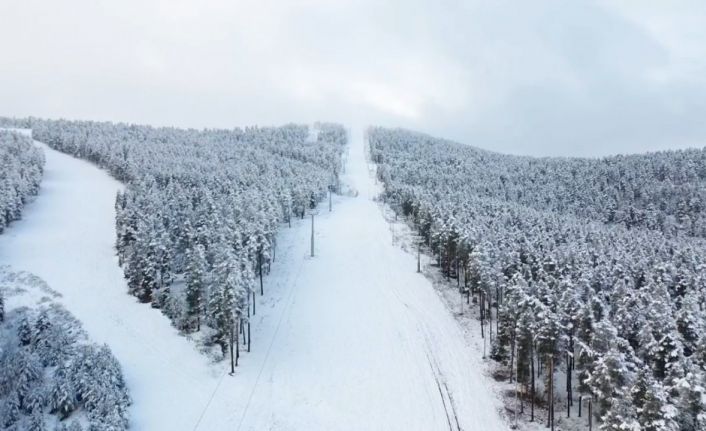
(543, 78)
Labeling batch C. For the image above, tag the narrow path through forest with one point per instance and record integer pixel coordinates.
(352, 339)
(362, 341)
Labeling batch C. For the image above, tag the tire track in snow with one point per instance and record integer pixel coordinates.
(416, 317)
(285, 311)
(439, 378)
(433, 365)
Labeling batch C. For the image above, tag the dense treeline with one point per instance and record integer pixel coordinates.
(196, 223)
(22, 168)
(52, 377)
(593, 268)
(663, 191)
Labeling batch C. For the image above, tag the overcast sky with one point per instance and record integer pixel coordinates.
(526, 77)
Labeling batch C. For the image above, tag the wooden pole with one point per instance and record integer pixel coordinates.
(237, 348)
(551, 390)
(232, 365)
(590, 414)
(312, 235)
(517, 390)
(482, 312)
(568, 385)
(458, 275)
(532, 377)
(259, 260)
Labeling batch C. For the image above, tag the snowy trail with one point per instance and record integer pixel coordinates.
(352, 339)
(66, 237)
(359, 340)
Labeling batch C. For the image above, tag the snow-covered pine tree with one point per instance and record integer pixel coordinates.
(196, 286)
(62, 400)
(223, 298)
(654, 411)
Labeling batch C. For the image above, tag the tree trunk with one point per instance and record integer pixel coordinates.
(568, 385)
(569, 368)
(259, 259)
(312, 235)
(419, 257)
(551, 391)
(532, 376)
(490, 319)
(232, 364)
(482, 310)
(512, 355)
(497, 310)
(458, 276)
(237, 349)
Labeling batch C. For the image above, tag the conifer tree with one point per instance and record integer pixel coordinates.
(196, 285)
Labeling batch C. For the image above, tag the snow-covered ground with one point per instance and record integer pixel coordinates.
(359, 340)
(352, 339)
(66, 237)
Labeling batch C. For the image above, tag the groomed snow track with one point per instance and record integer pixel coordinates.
(352, 339)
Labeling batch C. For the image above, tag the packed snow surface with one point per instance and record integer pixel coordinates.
(351, 339)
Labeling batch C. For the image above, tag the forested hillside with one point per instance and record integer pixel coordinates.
(196, 224)
(664, 191)
(51, 376)
(594, 268)
(22, 167)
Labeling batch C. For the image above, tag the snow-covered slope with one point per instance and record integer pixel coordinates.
(360, 340)
(352, 339)
(66, 237)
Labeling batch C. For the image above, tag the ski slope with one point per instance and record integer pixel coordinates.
(351, 339)
(363, 342)
(66, 237)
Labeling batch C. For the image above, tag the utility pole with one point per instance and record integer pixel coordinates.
(458, 275)
(259, 263)
(289, 213)
(232, 366)
(517, 385)
(551, 391)
(532, 376)
(590, 414)
(568, 385)
(419, 256)
(312, 234)
(237, 348)
(329, 198)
